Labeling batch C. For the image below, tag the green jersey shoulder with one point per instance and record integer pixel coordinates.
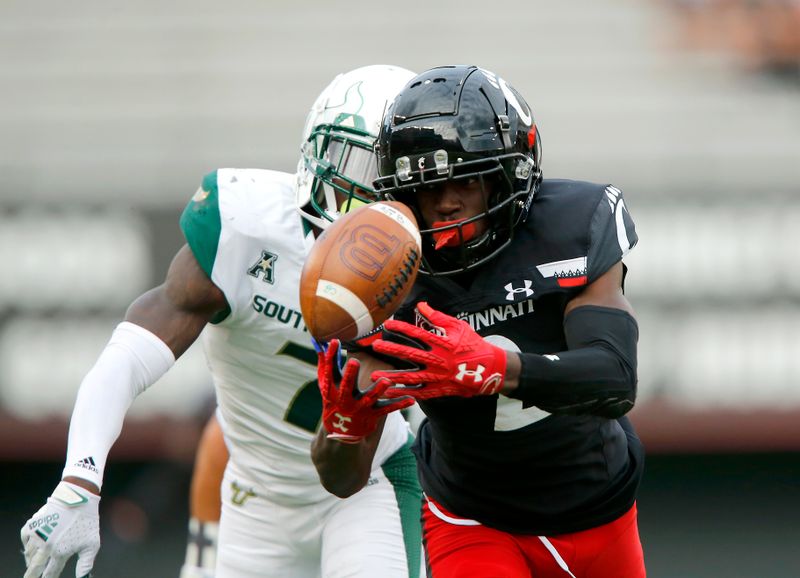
(201, 223)
(238, 202)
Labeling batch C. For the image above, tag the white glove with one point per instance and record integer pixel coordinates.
(68, 524)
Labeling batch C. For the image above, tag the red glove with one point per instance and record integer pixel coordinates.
(451, 359)
(349, 414)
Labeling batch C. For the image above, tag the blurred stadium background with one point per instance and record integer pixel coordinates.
(110, 114)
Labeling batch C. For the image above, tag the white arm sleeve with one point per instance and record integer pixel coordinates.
(134, 359)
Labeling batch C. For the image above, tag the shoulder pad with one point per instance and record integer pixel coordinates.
(579, 230)
(201, 224)
(612, 233)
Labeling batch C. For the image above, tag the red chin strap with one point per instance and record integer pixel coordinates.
(450, 238)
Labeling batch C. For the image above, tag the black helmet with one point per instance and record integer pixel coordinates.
(461, 122)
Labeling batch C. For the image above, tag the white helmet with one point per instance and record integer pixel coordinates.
(337, 163)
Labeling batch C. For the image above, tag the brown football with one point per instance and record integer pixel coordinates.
(359, 271)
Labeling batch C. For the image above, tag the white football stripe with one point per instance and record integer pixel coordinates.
(396, 215)
(450, 519)
(622, 233)
(348, 301)
(556, 556)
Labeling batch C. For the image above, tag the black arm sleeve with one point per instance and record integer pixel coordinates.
(596, 375)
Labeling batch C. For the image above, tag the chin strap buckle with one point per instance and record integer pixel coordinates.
(505, 130)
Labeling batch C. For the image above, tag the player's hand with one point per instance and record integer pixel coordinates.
(449, 358)
(349, 414)
(67, 524)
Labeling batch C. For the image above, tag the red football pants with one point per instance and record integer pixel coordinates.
(612, 550)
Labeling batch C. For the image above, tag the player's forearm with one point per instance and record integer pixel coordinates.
(133, 359)
(343, 468)
(596, 375)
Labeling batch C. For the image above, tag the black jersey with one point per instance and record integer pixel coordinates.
(489, 458)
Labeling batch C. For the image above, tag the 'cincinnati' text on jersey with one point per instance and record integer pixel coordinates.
(481, 319)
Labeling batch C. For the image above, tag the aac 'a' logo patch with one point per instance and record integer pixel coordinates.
(264, 266)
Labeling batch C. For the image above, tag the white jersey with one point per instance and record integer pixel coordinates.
(247, 235)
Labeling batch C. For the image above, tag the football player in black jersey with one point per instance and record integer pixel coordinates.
(517, 341)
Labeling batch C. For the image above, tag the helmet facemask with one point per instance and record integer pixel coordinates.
(451, 248)
(343, 166)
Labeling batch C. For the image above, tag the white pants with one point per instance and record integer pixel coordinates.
(358, 537)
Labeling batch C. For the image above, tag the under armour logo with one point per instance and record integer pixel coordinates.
(340, 424)
(476, 374)
(512, 291)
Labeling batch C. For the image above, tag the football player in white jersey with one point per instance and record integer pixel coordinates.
(237, 277)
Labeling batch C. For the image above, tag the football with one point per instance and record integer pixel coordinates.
(359, 271)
